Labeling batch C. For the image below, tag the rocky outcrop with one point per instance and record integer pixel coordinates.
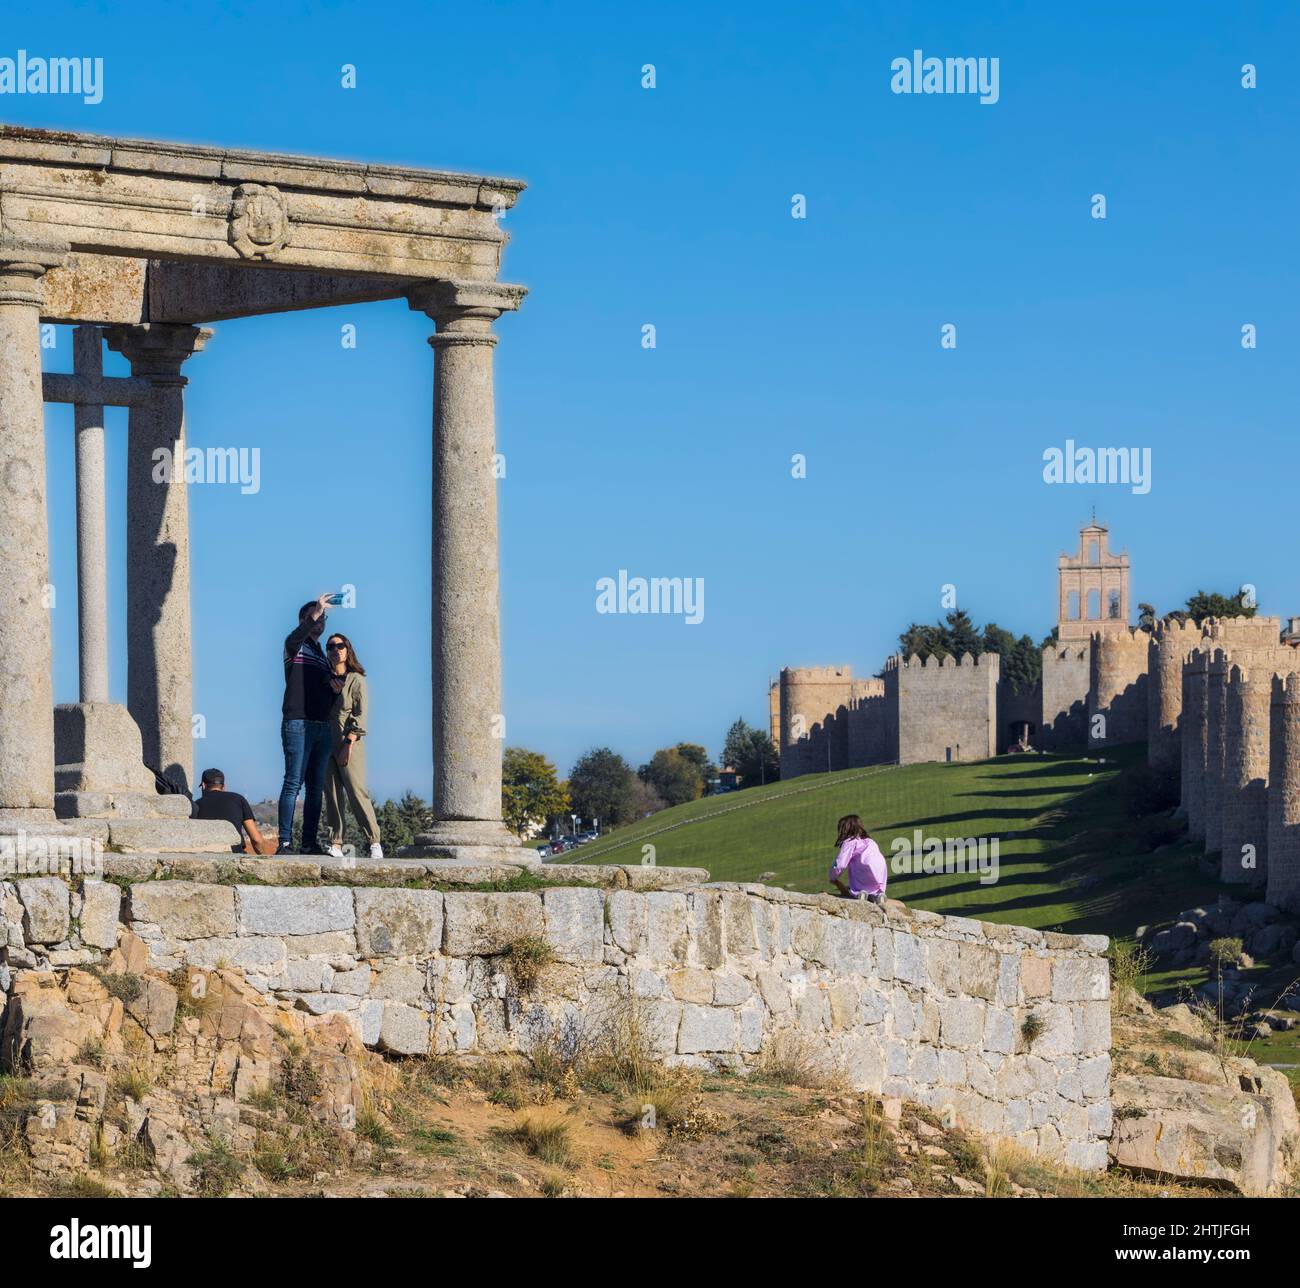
(1187, 1109)
(123, 1062)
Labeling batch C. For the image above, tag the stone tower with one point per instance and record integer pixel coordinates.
(1245, 777)
(1283, 888)
(1092, 587)
(1168, 648)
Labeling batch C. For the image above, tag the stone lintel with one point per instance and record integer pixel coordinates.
(156, 200)
(217, 292)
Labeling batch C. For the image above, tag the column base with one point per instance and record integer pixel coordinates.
(471, 841)
(26, 820)
(120, 805)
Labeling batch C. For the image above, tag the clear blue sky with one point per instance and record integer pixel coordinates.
(775, 336)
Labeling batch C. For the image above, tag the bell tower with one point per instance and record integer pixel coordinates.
(1092, 586)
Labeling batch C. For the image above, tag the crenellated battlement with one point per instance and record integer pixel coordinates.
(915, 662)
(817, 675)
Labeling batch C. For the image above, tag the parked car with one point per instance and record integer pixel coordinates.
(544, 851)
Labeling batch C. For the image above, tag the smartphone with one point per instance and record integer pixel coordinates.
(336, 599)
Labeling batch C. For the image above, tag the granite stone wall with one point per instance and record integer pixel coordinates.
(1005, 1029)
(946, 708)
(1066, 671)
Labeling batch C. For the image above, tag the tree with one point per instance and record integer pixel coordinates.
(674, 777)
(962, 635)
(1146, 617)
(924, 641)
(696, 754)
(601, 786)
(1022, 661)
(750, 753)
(645, 800)
(1202, 605)
(531, 793)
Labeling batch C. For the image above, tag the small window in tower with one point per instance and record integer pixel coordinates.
(1094, 605)
(1072, 606)
(1112, 606)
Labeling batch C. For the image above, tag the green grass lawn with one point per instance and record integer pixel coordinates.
(1058, 820)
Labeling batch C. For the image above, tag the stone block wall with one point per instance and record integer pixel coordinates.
(946, 708)
(1244, 814)
(1283, 887)
(1192, 736)
(1117, 689)
(1166, 650)
(1066, 676)
(814, 705)
(897, 1002)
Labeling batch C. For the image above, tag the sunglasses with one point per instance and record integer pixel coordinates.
(338, 648)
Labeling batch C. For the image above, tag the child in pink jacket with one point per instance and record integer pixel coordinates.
(861, 857)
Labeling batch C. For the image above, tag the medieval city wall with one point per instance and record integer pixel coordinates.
(1117, 688)
(899, 1002)
(1167, 648)
(947, 708)
(814, 719)
(1066, 678)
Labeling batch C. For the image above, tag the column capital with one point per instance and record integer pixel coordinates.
(454, 301)
(157, 350)
(22, 268)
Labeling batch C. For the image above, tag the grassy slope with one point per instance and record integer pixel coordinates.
(1058, 820)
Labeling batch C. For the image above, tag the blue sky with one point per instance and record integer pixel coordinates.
(775, 336)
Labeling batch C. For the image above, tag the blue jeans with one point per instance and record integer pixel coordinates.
(306, 758)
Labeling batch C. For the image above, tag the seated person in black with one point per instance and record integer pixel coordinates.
(216, 802)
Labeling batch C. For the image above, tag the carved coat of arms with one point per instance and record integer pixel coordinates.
(259, 221)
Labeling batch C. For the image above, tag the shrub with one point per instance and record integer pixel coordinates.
(547, 1138)
(1129, 963)
(1224, 951)
(217, 1170)
(1031, 1028)
(526, 959)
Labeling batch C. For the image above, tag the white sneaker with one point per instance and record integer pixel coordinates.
(336, 852)
(376, 851)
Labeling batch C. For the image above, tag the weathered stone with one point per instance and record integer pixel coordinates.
(479, 925)
(706, 1028)
(46, 916)
(100, 910)
(574, 924)
(268, 910)
(398, 923)
(184, 909)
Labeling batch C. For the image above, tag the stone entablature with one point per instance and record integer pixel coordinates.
(898, 1001)
(116, 202)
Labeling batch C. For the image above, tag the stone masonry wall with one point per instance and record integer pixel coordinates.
(1066, 670)
(899, 1002)
(947, 709)
(1117, 691)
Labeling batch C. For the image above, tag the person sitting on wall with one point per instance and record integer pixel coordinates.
(216, 802)
(859, 856)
